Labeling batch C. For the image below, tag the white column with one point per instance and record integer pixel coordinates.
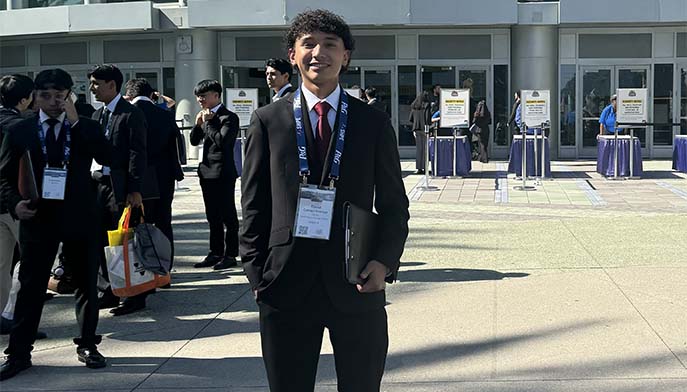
(534, 63)
(192, 65)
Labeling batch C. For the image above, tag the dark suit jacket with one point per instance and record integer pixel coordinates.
(286, 92)
(218, 137)
(284, 269)
(128, 141)
(72, 218)
(8, 119)
(379, 105)
(420, 117)
(162, 153)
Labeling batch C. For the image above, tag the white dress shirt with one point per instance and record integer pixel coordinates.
(311, 100)
(58, 127)
(142, 98)
(278, 96)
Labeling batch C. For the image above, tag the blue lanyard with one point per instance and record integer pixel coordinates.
(66, 127)
(335, 169)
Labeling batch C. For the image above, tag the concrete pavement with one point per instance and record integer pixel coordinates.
(553, 292)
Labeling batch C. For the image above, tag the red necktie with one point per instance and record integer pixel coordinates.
(324, 132)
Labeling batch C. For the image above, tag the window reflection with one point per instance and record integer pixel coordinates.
(567, 105)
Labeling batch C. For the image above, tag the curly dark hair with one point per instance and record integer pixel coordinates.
(310, 21)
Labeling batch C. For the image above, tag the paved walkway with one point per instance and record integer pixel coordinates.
(572, 287)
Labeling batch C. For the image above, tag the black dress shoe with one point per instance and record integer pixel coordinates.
(91, 357)
(40, 335)
(418, 171)
(108, 300)
(129, 305)
(12, 367)
(227, 262)
(209, 261)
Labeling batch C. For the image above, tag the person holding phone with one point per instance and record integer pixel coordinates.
(62, 146)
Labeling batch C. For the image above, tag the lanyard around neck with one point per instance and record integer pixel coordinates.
(335, 168)
(66, 127)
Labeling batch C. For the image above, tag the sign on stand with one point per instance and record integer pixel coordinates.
(454, 108)
(632, 105)
(536, 107)
(243, 102)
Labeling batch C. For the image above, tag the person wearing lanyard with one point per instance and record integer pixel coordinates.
(306, 155)
(61, 146)
(607, 118)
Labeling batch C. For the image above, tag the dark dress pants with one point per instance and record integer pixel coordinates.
(34, 273)
(220, 211)
(484, 145)
(291, 342)
(159, 213)
(420, 150)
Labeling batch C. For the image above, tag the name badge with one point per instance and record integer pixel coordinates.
(54, 183)
(314, 212)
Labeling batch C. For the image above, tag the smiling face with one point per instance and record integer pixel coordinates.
(319, 57)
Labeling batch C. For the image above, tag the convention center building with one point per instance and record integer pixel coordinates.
(580, 50)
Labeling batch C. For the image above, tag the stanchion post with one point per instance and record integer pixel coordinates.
(523, 168)
(455, 148)
(544, 126)
(435, 163)
(615, 172)
(427, 187)
(243, 147)
(536, 158)
(426, 157)
(632, 149)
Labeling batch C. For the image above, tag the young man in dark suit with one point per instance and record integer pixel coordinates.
(299, 282)
(278, 75)
(372, 100)
(216, 128)
(162, 152)
(62, 147)
(121, 183)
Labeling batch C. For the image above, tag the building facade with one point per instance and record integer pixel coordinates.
(580, 50)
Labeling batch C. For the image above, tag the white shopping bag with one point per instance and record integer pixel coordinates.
(139, 280)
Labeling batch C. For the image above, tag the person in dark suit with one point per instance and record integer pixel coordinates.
(162, 152)
(299, 282)
(373, 100)
(59, 140)
(121, 183)
(216, 128)
(15, 97)
(278, 75)
(420, 115)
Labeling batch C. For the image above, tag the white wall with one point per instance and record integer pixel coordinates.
(623, 11)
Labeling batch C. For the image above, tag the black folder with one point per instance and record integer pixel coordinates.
(28, 189)
(361, 235)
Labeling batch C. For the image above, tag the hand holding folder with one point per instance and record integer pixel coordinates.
(361, 230)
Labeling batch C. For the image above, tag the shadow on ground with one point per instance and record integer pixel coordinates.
(455, 275)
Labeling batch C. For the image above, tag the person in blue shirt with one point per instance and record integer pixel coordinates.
(607, 119)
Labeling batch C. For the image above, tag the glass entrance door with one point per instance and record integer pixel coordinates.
(598, 85)
(380, 79)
